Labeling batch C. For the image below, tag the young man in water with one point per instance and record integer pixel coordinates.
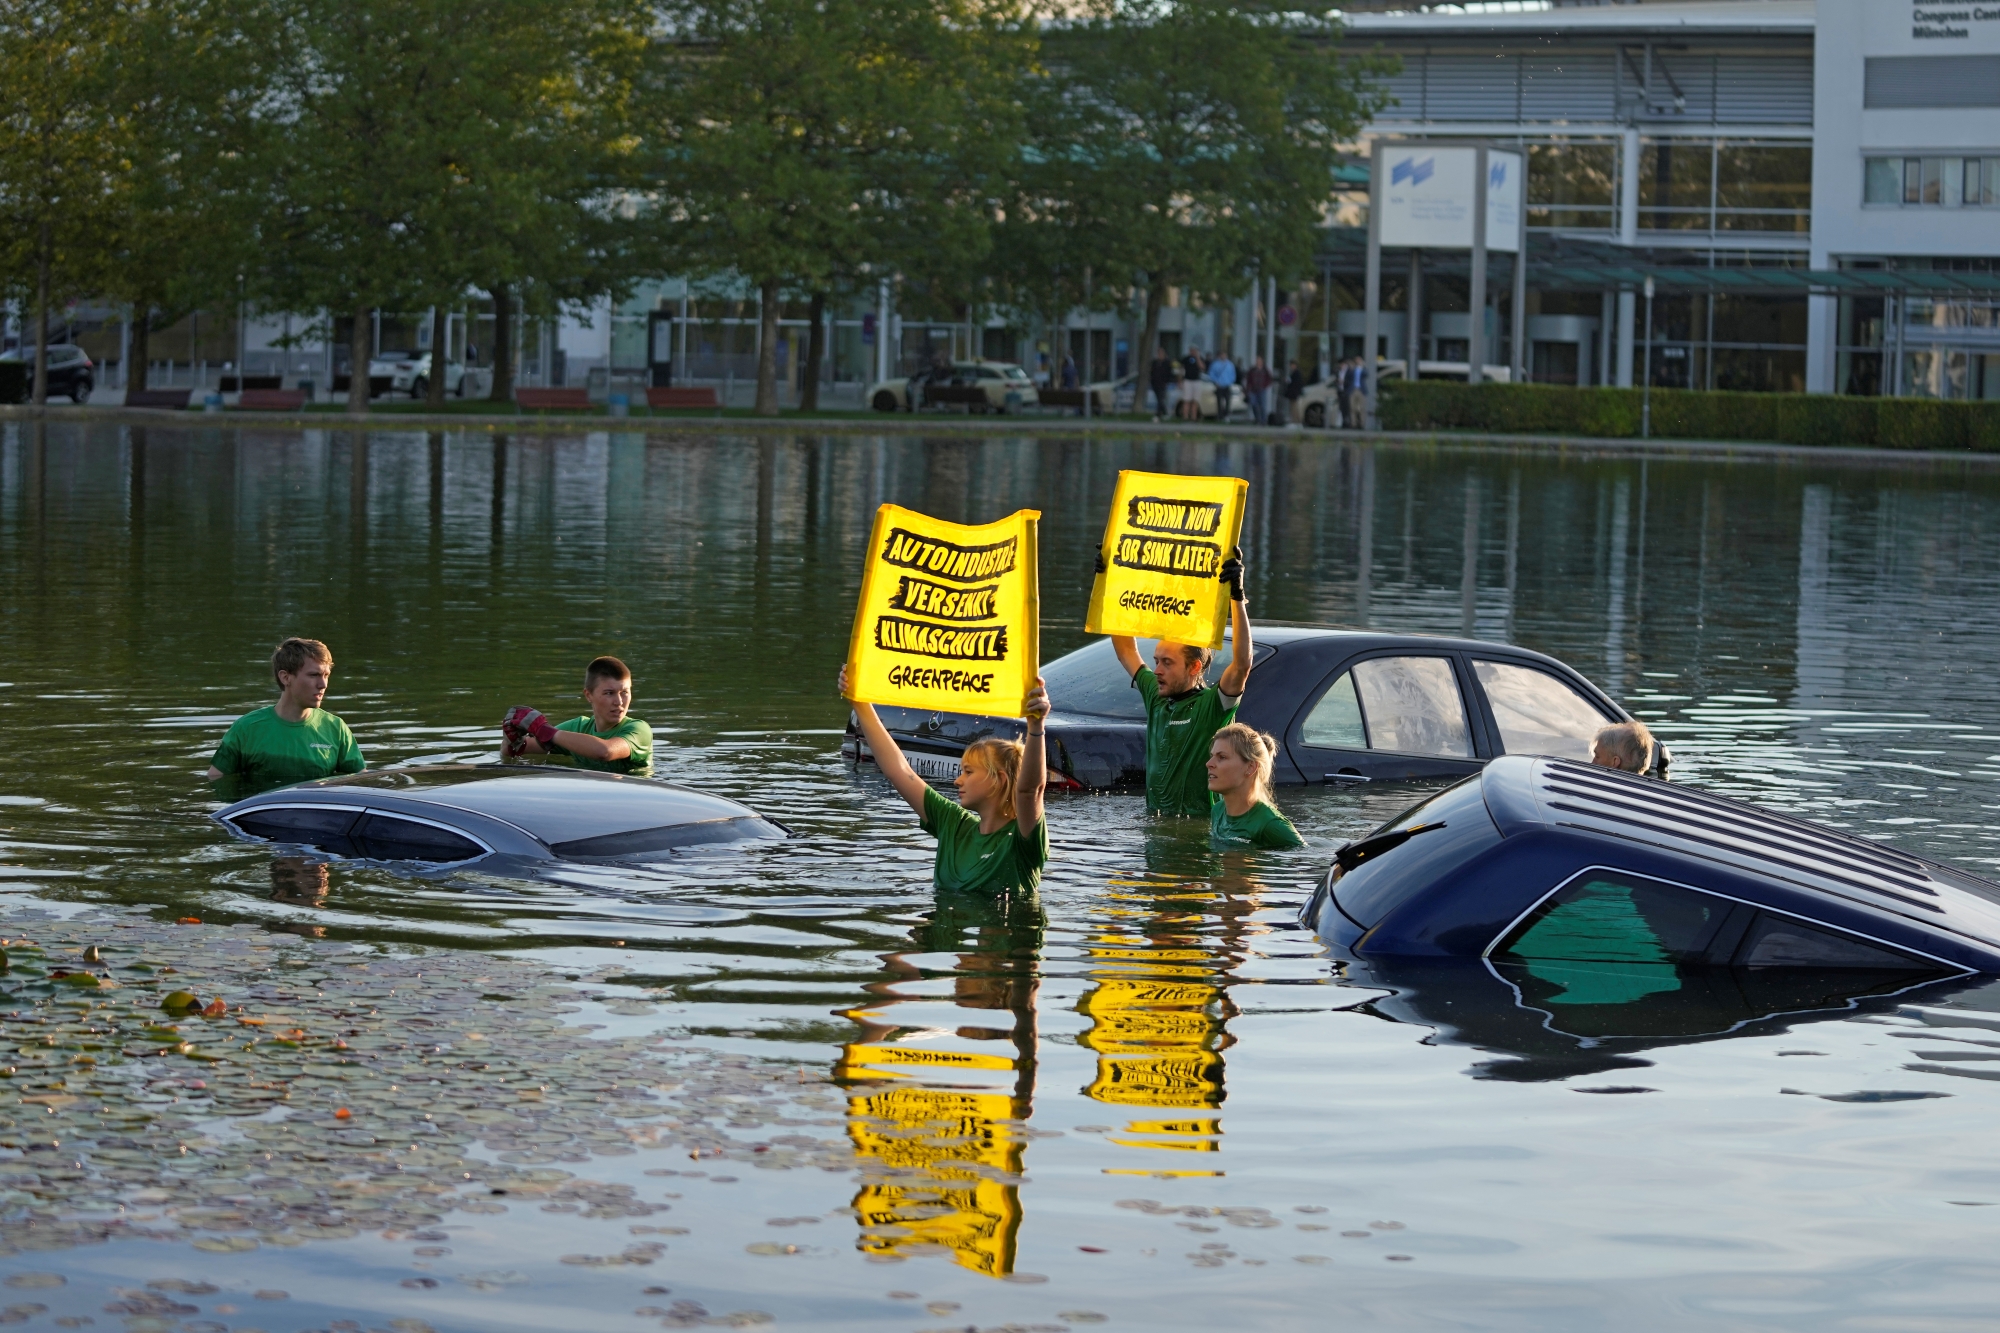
(293, 740)
(1183, 711)
(606, 738)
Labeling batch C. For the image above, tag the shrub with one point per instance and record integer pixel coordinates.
(1692, 414)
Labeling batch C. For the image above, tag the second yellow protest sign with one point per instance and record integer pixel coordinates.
(950, 615)
(1164, 545)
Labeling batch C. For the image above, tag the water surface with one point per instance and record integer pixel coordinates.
(1152, 1099)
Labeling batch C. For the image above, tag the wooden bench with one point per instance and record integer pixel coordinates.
(552, 400)
(173, 398)
(244, 383)
(272, 400)
(968, 396)
(702, 397)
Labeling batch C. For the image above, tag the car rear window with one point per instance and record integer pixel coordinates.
(1091, 681)
(1378, 886)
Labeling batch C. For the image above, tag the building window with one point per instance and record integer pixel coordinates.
(1932, 182)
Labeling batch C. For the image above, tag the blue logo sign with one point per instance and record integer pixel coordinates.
(1413, 171)
(1496, 174)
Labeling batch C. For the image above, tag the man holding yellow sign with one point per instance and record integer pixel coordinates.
(1170, 551)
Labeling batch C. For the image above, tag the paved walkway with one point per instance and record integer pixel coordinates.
(941, 425)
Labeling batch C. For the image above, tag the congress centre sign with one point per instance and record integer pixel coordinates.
(1431, 196)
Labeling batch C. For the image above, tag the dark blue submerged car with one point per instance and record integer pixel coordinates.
(1564, 917)
(1562, 877)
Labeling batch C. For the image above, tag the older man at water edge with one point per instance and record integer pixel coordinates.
(294, 739)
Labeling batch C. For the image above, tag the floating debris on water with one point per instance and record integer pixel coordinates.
(322, 1091)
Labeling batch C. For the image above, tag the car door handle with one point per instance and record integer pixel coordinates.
(1348, 779)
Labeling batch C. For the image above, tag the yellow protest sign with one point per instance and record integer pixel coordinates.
(950, 615)
(1164, 545)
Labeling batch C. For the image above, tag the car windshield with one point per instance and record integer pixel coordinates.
(387, 355)
(1090, 680)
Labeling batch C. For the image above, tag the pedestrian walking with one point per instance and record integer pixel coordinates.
(1295, 387)
(1222, 374)
(1160, 375)
(1193, 371)
(1257, 388)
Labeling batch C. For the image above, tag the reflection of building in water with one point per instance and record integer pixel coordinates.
(939, 1130)
(1158, 1010)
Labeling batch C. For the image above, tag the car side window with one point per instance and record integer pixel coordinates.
(387, 838)
(314, 826)
(1412, 706)
(1607, 917)
(1781, 941)
(1538, 713)
(1335, 721)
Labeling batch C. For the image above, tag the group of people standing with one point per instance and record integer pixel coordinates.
(1200, 763)
(1173, 385)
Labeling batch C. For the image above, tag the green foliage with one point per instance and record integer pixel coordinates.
(1178, 144)
(801, 145)
(1682, 414)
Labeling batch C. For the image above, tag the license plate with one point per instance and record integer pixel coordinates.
(938, 766)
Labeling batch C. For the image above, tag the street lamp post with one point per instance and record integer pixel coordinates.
(1646, 395)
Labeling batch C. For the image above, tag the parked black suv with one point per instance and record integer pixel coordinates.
(71, 371)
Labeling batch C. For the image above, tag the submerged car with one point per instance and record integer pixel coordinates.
(1582, 886)
(1346, 706)
(459, 814)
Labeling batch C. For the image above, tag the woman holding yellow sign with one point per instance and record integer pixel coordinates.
(993, 839)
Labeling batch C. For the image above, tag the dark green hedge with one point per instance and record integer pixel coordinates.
(13, 382)
(1687, 414)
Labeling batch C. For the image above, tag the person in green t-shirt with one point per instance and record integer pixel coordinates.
(1183, 711)
(293, 740)
(606, 739)
(1240, 813)
(993, 839)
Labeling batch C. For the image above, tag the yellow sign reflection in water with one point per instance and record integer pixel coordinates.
(952, 1168)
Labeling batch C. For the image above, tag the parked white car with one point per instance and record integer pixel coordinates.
(1006, 386)
(410, 372)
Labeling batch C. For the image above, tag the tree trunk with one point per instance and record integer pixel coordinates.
(140, 354)
(1156, 295)
(815, 354)
(503, 345)
(440, 358)
(767, 349)
(361, 352)
(41, 395)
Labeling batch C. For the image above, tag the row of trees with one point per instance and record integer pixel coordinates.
(350, 155)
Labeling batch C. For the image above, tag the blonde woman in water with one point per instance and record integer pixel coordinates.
(1240, 813)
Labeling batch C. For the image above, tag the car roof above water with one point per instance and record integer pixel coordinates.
(1523, 791)
(555, 805)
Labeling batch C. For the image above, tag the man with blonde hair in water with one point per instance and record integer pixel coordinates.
(1184, 711)
(293, 740)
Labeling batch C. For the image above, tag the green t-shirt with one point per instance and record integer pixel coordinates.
(632, 731)
(1178, 734)
(982, 862)
(264, 750)
(1259, 826)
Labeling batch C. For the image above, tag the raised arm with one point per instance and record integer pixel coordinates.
(1242, 651)
(888, 755)
(1034, 772)
(1127, 650)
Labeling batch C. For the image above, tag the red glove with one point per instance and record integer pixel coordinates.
(522, 721)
